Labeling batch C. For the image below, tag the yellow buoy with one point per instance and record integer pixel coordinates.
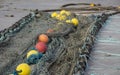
(58, 16)
(75, 21)
(62, 12)
(68, 21)
(54, 14)
(62, 17)
(23, 69)
(31, 52)
(68, 13)
(92, 4)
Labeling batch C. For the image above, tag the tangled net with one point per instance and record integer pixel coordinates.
(69, 48)
(75, 51)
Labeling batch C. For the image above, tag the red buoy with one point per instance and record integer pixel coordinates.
(41, 47)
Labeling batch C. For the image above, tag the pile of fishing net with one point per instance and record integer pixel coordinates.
(68, 49)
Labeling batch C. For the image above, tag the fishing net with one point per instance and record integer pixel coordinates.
(68, 49)
(71, 55)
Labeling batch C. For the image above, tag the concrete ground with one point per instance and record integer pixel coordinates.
(105, 57)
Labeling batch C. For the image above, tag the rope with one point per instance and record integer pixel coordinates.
(34, 58)
(75, 4)
(7, 33)
(55, 48)
(16, 72)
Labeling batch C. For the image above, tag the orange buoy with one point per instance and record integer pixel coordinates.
(50, 30)
(43, 38)
(41, 47)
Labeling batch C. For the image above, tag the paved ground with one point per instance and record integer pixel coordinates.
(105, 58)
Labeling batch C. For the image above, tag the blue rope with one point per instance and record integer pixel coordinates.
(33, 48)
(34, 58)
(16, 72)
